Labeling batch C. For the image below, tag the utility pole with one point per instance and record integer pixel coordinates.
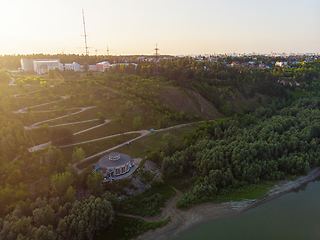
(85, 34)
(156, 66)
(107, 50)
(96, 50)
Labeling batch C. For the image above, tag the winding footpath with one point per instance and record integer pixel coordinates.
(44, 145)
(142, 132)
(36, 125)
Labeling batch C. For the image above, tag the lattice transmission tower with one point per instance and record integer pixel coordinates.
(156, 71)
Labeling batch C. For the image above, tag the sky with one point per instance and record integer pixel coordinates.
(179, 27)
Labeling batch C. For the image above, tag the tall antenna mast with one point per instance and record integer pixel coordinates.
(157, 49)
(156, 67)
(85, 34)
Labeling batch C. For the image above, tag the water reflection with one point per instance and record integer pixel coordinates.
(293, 216)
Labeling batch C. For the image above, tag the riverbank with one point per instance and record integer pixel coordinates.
(182, 221)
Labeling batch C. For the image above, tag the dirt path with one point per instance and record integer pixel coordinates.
(182, 221)
(169, 210)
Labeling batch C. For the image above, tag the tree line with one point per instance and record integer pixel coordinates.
(227, 154)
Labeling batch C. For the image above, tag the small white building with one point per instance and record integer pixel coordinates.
(72, 66)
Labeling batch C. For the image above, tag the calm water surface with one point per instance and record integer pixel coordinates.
(293, 216)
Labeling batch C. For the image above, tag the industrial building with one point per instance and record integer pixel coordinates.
(44, 65)
(40, 66)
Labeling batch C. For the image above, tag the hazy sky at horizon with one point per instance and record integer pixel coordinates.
(178, 26)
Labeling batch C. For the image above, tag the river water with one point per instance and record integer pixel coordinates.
(293, 216)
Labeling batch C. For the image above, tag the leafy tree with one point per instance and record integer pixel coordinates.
(226, 108)
(51, 73)
(101, 117)
(137, 123)
(60, 183)
(70, 195)
(86, 66)
(129, 105)
(94, 184)
(168, 138)
(4, 76)
(78, 155)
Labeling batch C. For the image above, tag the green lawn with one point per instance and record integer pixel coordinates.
(25, 102)
(83, 116)
(42, 116)
(142, 147)
(6, 90)
(252, 191)
(40, 136)
(113, 127)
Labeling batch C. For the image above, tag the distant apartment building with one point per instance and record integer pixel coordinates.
(92, 68)
(72, 66)
(101, 66)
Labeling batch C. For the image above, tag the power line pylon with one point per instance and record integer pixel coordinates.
(156, 67)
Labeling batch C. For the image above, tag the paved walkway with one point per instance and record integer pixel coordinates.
(65, 124)
(36, 125)
(24, 110)
(142, 132)
(102, 138)
(44, 145)
(88, 129)
(12, 82)
(177, 126)
(16, 95)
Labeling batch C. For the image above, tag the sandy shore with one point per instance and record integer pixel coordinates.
(182, 221)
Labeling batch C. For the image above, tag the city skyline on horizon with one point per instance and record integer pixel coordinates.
(178, 27)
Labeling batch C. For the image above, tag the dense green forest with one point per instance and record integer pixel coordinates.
(252, 144)
(234, 152)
